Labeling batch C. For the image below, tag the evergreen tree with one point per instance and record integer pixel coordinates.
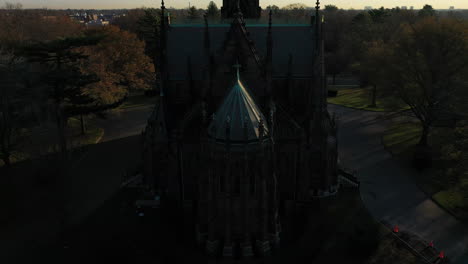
(192, 13)
(212, 10)
(61, 75)
(426, 11)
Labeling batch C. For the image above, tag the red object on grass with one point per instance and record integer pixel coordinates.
(396, 229)
(441, 255)
(431, 244)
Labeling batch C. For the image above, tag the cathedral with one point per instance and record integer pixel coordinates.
(241, 127)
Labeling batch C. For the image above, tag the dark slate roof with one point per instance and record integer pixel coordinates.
(241, 112)
(188, 40)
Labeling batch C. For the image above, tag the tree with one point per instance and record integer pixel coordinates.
(273, 8)
(370, 69)
(337, 49)
(212, 10)
(331, 8)
(12, 105)
(425, 63)
(456, 152)
(61, 75)
(120, 62)
(379, 15)
(426, 11)
(148, 30)
(295, 6)
(120, 65)
(192, 13)
(130, 21)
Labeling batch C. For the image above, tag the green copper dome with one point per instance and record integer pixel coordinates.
(238, 117)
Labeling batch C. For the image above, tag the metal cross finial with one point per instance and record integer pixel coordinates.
(237, 66)
(317, 5)
(162, 4)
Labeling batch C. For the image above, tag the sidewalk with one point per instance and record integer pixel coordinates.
(387, 187)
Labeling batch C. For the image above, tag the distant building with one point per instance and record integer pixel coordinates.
(404, 7)
(411, 7)
(97, 23)
(368, 7)
(50, 18)
(452, 8)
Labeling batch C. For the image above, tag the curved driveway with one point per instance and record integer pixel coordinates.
(387, 186)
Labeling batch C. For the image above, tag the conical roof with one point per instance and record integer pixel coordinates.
(237, 111)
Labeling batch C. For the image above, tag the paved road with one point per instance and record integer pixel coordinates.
(99, 173)
(125, 123)
(387, 188)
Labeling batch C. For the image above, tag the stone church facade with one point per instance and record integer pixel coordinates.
(241, 127)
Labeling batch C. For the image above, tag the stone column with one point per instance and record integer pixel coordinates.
(263, 245)
(212, 243)
(246, 246)
(227, 249)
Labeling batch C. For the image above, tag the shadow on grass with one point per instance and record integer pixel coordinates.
(400, 140)
(360, 98)
(34, 192)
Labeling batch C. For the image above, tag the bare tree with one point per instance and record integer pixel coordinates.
(425, 63)
(11, 106)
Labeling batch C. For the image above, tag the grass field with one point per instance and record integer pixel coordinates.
(360, 98)
(137, 101)
(400, 140)
(43, 140)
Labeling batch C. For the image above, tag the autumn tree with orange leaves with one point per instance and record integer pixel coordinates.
(120, 64)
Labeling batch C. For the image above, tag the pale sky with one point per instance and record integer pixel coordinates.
(116, 4)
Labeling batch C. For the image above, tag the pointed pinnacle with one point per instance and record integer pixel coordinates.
(269, 17)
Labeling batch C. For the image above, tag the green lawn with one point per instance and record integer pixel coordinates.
(360, 98)
(92, 136)
(137, 101)
(43, 140)
(400, 139)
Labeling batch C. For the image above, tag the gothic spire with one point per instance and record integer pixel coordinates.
(317, 22)
(207, 34)
(269, 38)
(239, 11)
(269, 61)
(269, 21)
(162, 43)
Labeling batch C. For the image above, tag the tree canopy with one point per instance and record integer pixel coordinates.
(212, 10)
(424, 65)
